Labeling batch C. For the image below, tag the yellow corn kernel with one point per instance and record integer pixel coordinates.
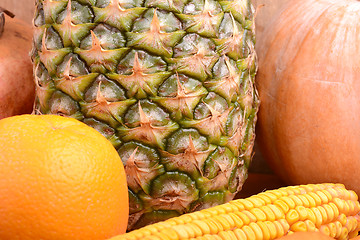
(257, 230)
(304, 200)
(280, 230)
(162, 236)
(301, 210)
(342, 219)
(332, 229)
(318, 216)
(176, 221)
(351, 224)
(228, 208)
(227, 235)
(296, 190)
(153, 237)
(212, 237)
(240, 234)
(251, 216)
(246, 203)
(338, 229)
(282, 205)
(310, 226)
(181, 231)
(279, 193)
(296, 200)
(203, 226)
(213, 225)
(265, 197)
(299, 226)
(249, 232)
(135, 234)
(277, 211)
(270, 195)
(309, 187)
(325, 230)
(324, 196)
(352, 207)
(272, 229)
(292, 216)
(214, 211)
(198, 215)
(289, 202)
(237, 220)
(344, 233)
(243, 217)
(353, 195)
(195, 229)
(328, 208)
(284, 224)
(343, 193)
(289, 190)
(323, 214)
(329, 212)
(238, 205)
(333, 192)
(223, 221)
(312, 202)
(357, 206)
(170, 233)
(259, 214)
(269, 214)
(265, 230)
(316, 198)
(256, 201)
(335, 209)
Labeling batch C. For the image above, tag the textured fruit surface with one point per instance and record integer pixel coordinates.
(306, 236)
(327, 208)
(17, 87)
(59, 179)
(169, 83)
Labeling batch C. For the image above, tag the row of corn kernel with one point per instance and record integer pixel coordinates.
(268, 215)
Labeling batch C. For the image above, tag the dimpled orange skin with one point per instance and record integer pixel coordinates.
(59, 179)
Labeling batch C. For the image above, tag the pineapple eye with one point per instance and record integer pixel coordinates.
(76, 66)
(107, 88)
(212, 100)
(109, 37)
(64, 105)
(79, 14)
(53, 40)
(180, 141)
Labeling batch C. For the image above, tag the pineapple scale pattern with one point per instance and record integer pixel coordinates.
(170, 83)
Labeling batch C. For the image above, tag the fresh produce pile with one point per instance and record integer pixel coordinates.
(143, 119)
(169, 83)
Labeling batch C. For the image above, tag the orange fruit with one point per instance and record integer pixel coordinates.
(59, 179)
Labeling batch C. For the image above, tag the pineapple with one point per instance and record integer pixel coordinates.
(169, 82)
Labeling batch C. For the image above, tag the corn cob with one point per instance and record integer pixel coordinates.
(328, 208)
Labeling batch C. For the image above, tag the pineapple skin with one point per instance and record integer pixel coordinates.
(169, 82)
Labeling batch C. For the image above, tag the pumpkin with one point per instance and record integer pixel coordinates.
(309, 85)
(17, 88)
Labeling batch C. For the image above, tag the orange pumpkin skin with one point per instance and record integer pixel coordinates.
(309, 86)
(17, 87)
(306, 236)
